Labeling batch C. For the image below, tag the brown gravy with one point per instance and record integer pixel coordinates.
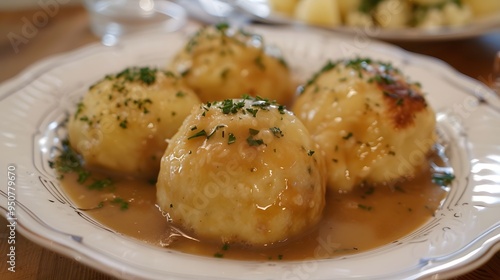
(354, 222)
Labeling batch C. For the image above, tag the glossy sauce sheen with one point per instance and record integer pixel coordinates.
(366, 218)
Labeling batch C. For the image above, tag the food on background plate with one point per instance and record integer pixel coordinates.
(122, 122)
(320, 12)
(483, 7)
(390, 14)
(242, 171)
(373, 124)
(219, 62)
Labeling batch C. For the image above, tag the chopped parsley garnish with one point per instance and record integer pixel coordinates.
(79, 109)
(231, 139)
(281, 109)
(364, 207)
(349, 135)
(143, 74)
(222, 26)
(252, 111)
(327, 67)
(121, 202)
(443, 179)
(253, 132)
(367, 6)
(254, 142)
(276, 132)
(69, 161)
(224, 247)
(198, 134)
(215, 129)
(251, 140)
(228, 106)
(100, 184)
(124, 123)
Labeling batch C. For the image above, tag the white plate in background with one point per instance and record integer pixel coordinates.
(259, 10)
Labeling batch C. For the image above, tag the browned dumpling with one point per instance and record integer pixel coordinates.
(242, 171)
(123, 121)
(373, 125)
(222, 63)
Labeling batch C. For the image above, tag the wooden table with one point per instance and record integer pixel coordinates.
(68, 29)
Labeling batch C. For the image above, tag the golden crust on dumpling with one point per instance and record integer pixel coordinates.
(373, 125)
(222, 63)
(242, 171)
(123, 121)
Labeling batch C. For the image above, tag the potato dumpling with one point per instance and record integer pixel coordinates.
(242, 171)
(319, 12)
(392, 13)
(222, 63)
(283, 6)
(373, 125)
(123, 121)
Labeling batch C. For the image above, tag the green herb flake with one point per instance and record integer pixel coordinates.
(258, 61)
(231, 139)
(147, 76)
(253, 112)
(276, 132)
(228, 106)
(198, 134)
(349, 135)
(79, 108)
(253, 132)
(121, 202)
(124, 123)
(222, 26)
(443, 179)
(68, 162)
(215, 130)
(364, 207)
(251, 140)
(281, 109)
(100, 184)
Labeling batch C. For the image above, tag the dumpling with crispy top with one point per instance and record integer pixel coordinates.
(373, 125)
(122, 122)
(219, 62)
(242, 171)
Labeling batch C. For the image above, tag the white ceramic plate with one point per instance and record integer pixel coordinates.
(260, 11)
(464, 233)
